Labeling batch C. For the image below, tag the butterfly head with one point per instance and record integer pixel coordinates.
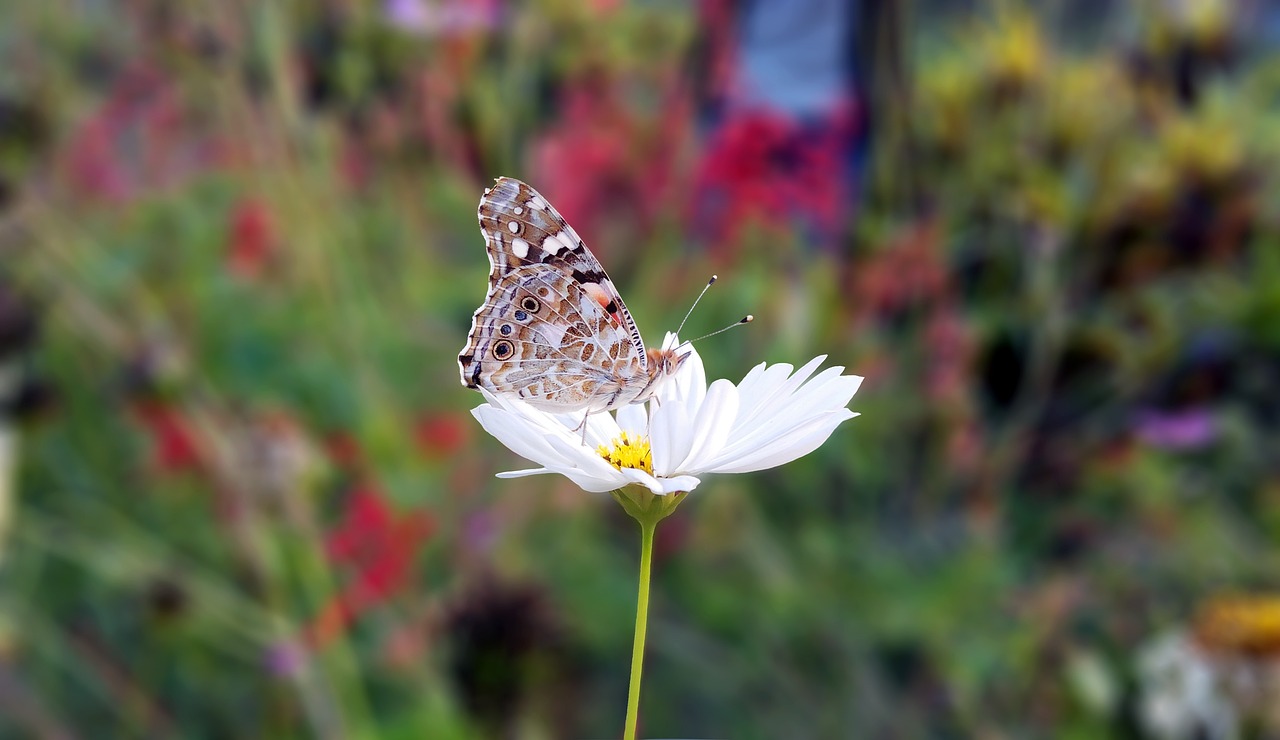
(664, 363)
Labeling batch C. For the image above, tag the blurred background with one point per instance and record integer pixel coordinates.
(241, 494)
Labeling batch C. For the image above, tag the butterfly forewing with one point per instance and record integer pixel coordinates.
(553, 329)
(520, 227)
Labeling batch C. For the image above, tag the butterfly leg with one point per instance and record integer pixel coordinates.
(582, 426)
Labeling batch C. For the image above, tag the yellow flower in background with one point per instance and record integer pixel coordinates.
(1018, 53)
(1246, 624)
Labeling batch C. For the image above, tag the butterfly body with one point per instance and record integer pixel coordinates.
(552, 329)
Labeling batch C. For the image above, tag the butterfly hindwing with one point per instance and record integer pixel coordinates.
(542, 336)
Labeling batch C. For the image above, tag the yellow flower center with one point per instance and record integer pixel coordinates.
(1247, 624)
(629, 452)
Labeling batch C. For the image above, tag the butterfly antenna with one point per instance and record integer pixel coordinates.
(744, 320)
(710, 283)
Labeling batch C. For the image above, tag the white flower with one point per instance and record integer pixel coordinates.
(1182, 691)
(772, 417)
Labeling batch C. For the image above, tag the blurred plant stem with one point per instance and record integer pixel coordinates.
(1046, 301)
(8, 474)
(883, 47)
(648, 509)
(334, 695)
(9, 383)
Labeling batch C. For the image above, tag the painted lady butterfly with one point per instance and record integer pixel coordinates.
(552, 329)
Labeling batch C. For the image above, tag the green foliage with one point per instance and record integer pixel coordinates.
(251, 312)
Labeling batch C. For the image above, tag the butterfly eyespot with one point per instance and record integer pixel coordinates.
(506, 330)
(502, 349)
(513, 227)
(531, 304)
(544, 291)
(521, 315)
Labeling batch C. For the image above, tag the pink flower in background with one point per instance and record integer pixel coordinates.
(1190, 429)
(442, 17)
(92, 166)
(285, 659)
(950, 343)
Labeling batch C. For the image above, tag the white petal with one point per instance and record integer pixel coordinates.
(689, 384)
(588, 461)
(661, 486)
(547, 423)
(712, 425)
(778, 428)
(785, 448)
(757, 394)
(590, 483)
(775, 393)
(602, 429)
(633, 419)
(670, 435)
(543, 438)
(678, 483)
(524, 439)
(775, 415)
(581, 479)
(748, 446)
(524, 473)
(751, 375)
(759, 381)
(825, 391)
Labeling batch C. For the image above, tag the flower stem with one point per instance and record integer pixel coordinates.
(647, 509)
(647, 528)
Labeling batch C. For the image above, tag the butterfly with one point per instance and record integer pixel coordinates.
(553, 330)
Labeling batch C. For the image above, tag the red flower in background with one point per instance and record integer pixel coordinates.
(950, 343)
(344, 450)
(377, 546)
(601, 161)
(718, 21)
(251, 240)
(173, 442)
(140, 138)
(763, 167)
(911, 270)
(443, 435)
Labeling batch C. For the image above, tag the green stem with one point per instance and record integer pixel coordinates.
(648, 509)
(647, 528)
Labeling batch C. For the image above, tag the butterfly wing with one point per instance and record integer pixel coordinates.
(520, 227)
(542, 337)
(581, 349)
